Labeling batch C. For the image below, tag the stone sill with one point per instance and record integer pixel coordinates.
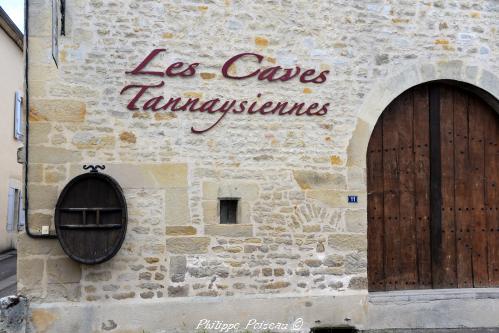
(427, 295)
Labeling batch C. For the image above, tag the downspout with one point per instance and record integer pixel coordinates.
(26, 134)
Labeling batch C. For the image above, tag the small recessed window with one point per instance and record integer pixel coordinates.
(228, 211)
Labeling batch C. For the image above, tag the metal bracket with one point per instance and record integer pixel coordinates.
(94, 168)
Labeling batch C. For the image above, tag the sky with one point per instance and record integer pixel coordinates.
(15, 10)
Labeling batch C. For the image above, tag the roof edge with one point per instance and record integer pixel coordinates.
(11, 29)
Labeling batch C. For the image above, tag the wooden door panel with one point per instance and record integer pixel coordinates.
(433, 218)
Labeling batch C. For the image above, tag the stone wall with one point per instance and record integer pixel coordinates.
(298, 235)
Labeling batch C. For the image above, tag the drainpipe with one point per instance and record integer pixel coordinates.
(26, 134)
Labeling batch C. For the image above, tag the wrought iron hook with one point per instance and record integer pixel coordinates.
(94, 168)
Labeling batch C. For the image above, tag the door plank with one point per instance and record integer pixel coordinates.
(422, 184)
(408, 250)
(462, 184)
(375, 226)
(491, 136)
(436, 188)
(479, 236)
(391, 196)
(448, 246)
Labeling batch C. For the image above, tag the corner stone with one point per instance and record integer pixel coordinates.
(63, 270)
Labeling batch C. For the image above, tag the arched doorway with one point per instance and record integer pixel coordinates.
(432, 178)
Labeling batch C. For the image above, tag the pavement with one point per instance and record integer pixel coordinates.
(8, 284)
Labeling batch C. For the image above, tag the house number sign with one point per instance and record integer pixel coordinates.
(221, 108)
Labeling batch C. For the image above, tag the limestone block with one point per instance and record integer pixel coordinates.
(347, 242)
(337, 199)
(161, 175)
(451, 69)
(180, 230)
(356, 178)
(40, 19)
(98, 276)
(39, 132)
(356, 221)
(27, 246)
(38, 71)
(313, 262)
(178, 291)
(64, 291)
(57, 110)
(229, 230)
(178, 268)
(356, 262)
(88, 140)
(42, 196)
(276, 285)
(187, 245)
(177, 206)
(128, 137)
(63, 270)
(334, 260)
(428, 72)
(168, 175)
(124, 295)
(29, 273)
(35, 173)
(210, 212)
(37, 88)
(308, 179)
(244, 213)
(489, 81)
(471, 73)
(38, 50)
(53, 155)
(312, 228)
(358, 282)
(357, 147)
(210, 191)
(54, 176)
(236, 189)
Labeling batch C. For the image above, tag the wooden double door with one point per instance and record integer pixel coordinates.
(432, 180)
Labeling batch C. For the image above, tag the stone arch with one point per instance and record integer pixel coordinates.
(474, 78)
(386, 91)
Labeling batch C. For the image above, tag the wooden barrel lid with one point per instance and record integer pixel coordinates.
(91, 218)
